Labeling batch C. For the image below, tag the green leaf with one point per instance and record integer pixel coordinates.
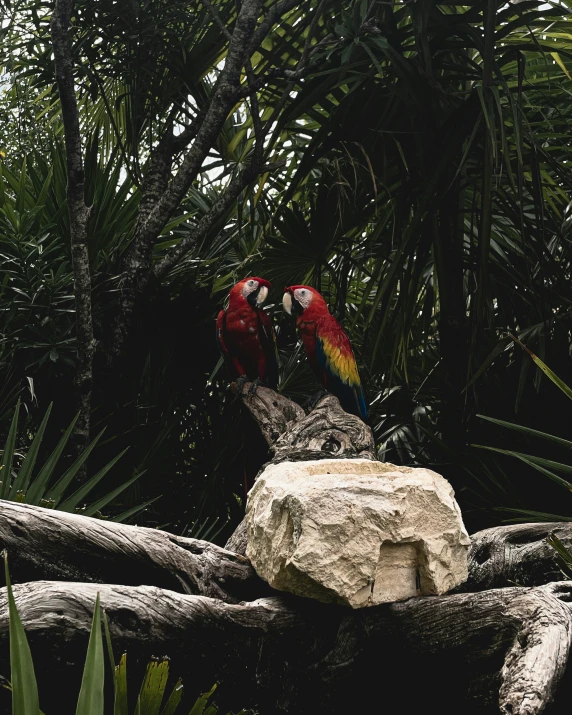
(550, 464)
(36, 492)
(90, 701)
(491, 357)
(134, 510)
(24, 687)
(561, 64)
(174, 699)
(202, 701)
(555, 379)
(57, 491)
(562, 551)
(546, 370)
(108, 642)
(153, 687)
(23, 479)
(104, 501)
(531, 463)
(528, 430)
(8, 455)
(120, 684)
(78, 496)
(531, 515)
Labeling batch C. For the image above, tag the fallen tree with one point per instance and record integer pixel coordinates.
(501, 645)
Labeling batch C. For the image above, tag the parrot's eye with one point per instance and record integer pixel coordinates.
(302, 292)
(250, 283)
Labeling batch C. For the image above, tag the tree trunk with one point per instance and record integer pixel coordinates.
(448, 249)
(78, 216)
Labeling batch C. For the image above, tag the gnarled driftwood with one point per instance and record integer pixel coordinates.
(505, 647)
(326, 432)
(48, 544)
(518, 554)
(487, 651)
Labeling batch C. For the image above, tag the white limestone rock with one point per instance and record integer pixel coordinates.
(355, 532)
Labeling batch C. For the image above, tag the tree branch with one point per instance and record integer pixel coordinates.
(49, 544)
(516, 554)
(78, 215)
(220, 105)
(274, 413)
(277, 10)
(236, 185)
(293, 655)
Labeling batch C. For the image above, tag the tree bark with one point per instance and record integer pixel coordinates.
(78, 217)
(326, 432)
(48, 544)
(517, 554)
(290, 655)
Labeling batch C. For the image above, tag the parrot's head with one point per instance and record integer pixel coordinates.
(297, 299)
(254, 290)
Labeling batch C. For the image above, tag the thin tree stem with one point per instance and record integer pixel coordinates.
(78, 216)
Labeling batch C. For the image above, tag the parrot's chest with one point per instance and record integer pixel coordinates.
(306, 327)
(241, 327)
(307, 330)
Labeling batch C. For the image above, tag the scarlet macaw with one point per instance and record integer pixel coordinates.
(245, 335)
(327, 347)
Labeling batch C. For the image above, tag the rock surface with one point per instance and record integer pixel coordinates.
(355, 532)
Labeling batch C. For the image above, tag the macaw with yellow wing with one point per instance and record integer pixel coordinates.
(327, 347)
(246, 336)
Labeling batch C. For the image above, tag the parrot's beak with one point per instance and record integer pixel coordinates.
(287, 302)
(262, 295)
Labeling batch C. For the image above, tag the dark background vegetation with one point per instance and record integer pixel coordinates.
(425, 192)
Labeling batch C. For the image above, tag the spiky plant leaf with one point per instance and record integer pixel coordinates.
(90, 700)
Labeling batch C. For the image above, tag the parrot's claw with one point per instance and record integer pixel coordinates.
(255, 384)
(241, 382)
(316, 397)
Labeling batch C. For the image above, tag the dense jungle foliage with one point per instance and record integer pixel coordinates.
(423, 185)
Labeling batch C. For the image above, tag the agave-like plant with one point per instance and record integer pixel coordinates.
(150, 701)
(40, 487)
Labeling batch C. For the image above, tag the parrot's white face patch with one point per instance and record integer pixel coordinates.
(287, 303)
(249, 287)
(303, 296)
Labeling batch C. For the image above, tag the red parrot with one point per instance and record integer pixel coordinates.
(245, 335)
(327, 347)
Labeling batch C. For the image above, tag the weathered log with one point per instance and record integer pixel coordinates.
(516, 554)
(506, 648)
(326, 432)
(274, 413)
(49, 544)
(237, 541)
